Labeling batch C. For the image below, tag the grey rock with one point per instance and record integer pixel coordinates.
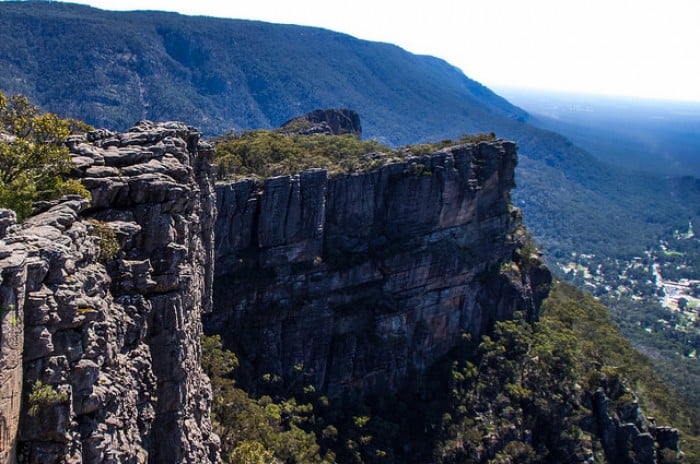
(8, 218)
(360, 279)
(626, 435)
(364, 278)
(102, 171)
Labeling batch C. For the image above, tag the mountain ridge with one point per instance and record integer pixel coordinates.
(188, 46)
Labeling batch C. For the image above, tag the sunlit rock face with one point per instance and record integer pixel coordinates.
(102, 339)
(351, 283)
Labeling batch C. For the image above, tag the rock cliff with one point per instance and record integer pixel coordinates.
(102, 303)
(351, 283)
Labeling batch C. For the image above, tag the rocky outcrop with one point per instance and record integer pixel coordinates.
(626, 434)
(335, 121)
(352, 283)
(349, 283)
(103, 304)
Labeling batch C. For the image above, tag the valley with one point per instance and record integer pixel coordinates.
(660, 137)
(653, 298)
(664, 275)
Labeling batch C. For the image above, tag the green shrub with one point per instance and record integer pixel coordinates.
(428, 148)
(43, 396)
(109, 245)
(251, 428)
(250, 452)
(268, 153)
(73, 187)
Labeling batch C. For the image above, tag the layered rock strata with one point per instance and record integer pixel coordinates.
(353, 282)
(103, 304)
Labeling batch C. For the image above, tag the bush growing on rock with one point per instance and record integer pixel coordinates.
(109, 245)
(270, 153)
(42, 396)
(33, 159)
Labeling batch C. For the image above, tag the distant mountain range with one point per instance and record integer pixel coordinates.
(114, 68)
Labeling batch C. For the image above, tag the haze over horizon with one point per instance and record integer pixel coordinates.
(642, 49)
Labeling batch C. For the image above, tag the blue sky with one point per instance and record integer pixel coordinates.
(637, 48)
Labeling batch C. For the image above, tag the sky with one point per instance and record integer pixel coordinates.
(636, 48)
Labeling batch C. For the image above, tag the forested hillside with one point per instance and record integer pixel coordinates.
(113, 68)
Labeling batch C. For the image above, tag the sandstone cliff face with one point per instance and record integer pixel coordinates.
(103, 348)
(351, 283)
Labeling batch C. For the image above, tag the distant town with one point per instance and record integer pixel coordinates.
(666, 277)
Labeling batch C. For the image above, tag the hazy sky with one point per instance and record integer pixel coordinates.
(648, 48)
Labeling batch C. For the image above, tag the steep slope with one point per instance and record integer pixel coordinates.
(353, 283)
(102, 300)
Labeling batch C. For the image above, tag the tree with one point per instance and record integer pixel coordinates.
(33, 158)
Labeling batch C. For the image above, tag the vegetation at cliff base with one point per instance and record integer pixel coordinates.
(33, 159)
(258, 430)
(523, 394)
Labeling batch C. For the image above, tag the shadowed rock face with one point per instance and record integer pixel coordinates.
(115, 339)
(351, 283)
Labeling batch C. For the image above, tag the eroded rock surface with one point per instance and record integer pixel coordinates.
(105, 299)
(349, 283)
(627, 435)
